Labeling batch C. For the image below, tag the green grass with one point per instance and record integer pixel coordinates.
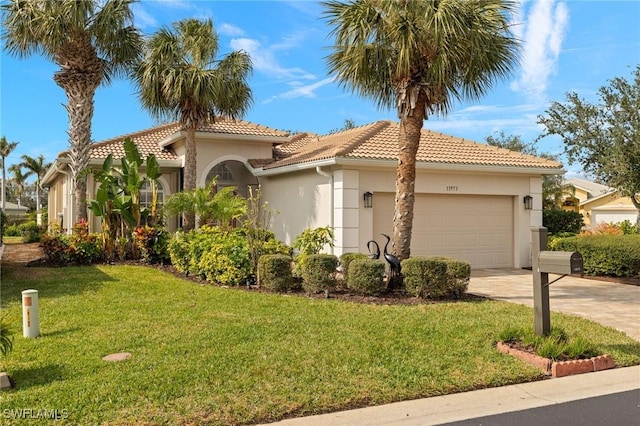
(12, 240)
(210, 355)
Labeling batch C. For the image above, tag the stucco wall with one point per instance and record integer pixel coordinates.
(303, 199)
(612, 202)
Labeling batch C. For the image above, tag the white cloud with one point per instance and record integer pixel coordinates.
(264, 60)
(304, 91)
(230, 30)
(142, 18)
(542, 34)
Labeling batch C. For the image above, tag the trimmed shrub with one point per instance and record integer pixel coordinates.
(612, 255)
(345, 261)
(562, 221)
(30, 232)
(435, 277)
(366, 276)
(179, 251)
(319, 272)
(75, 249)
(274, 272)
(152, 242)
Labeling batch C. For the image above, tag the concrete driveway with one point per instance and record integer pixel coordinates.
(610, 304)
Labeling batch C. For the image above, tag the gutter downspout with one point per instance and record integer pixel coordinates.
(330, 176)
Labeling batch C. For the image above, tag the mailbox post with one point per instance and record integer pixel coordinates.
(544, 263)
(541, 312)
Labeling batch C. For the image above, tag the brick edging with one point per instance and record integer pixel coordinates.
(559, 368)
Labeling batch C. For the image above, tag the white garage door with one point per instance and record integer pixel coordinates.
(475, 228)
(613, 216)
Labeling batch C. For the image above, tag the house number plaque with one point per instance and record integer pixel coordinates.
(452, 188)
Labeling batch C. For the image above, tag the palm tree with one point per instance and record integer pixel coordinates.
(180, 79)
(5, 150)
(92, 41)
(419, 56)
(38, 167)
(19, 180)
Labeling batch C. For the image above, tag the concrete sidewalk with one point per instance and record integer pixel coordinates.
(485, 402)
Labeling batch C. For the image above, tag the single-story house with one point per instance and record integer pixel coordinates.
(12, 210)
(473, 201)
(599, 203)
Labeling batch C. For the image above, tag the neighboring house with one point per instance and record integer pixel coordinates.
(599, 203)
(469, 196)
(13, 210)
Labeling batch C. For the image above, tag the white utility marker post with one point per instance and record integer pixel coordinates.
(30, 315)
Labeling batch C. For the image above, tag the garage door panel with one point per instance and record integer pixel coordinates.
(478, 229)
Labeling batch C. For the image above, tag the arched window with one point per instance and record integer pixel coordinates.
(146, 194)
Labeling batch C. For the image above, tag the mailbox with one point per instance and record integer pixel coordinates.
(560, 262)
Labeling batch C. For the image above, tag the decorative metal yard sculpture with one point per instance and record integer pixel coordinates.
(394, 264)
(373, 254)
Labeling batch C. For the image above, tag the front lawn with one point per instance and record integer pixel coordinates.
(210, 355)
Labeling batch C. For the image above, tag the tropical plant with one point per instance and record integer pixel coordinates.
(604, 137)
(19, 179)
(6, 336)
(210, 207)
(117, 200)
(5, 150)
(180, 79)
(419, 56)
(92, 42)
(38, 168)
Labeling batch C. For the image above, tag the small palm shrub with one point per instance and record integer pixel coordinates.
(274, 272)
(366, 276)
(319, 273)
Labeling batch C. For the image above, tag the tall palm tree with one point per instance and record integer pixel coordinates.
(180, 79)
(92, 41)
(5, 150)
(37, 167)
(419, 56)
(19, 180)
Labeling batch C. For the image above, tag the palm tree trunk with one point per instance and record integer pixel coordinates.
(190, 167)
(408, 142)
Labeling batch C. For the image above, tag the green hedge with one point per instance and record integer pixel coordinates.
(435, 277)
(366, 276)
(319, 272)
(562, 221)
(345, 262)
(610, 255)
(219, 256)
(274, 272)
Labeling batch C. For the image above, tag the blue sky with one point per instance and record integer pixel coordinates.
(567, 46)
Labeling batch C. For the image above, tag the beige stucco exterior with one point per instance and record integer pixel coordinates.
(328, 191)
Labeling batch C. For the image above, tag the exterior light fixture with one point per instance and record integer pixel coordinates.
(368, 200)
(528, 202)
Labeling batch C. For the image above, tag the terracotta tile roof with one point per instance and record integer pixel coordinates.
(378, 141)
(146, 141)
(241, 127)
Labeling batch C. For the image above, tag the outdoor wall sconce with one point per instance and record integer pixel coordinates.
(528, 202)
(368, 200)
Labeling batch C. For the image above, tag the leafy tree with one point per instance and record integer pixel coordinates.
(553, 187)
(419, 56)
(180, 79)
(37, 167)
(603, 137)
(92, 41)
(19, 180)
(5, 150)
(348, 125)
